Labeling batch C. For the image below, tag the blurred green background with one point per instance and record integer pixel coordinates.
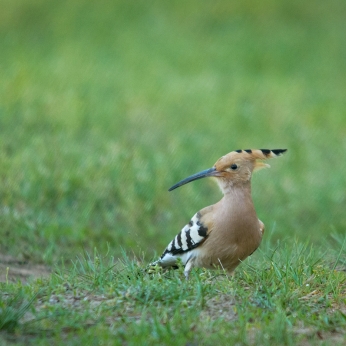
(105, 104)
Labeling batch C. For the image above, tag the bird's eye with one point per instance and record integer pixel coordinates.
(234, 166)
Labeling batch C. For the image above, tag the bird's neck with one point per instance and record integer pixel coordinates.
(237, 201)
(237, 208)
(236, 216)
(231, 188)
(237, 193)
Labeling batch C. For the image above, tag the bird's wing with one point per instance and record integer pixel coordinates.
(189, 238)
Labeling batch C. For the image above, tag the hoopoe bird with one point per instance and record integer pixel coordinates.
(224, 234)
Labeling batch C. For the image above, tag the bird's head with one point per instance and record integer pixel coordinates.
(235, 167)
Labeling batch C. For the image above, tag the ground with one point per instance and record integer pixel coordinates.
(13, 270)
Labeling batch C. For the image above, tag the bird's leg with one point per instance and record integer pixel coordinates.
(187, 269)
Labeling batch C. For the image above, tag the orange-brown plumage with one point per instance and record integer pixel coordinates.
(223, 234)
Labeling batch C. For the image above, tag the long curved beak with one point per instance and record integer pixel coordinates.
(210, 172)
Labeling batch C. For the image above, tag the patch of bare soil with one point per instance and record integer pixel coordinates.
(12, 270)
(222, 306)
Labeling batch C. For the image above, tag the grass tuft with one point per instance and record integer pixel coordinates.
(13, 308)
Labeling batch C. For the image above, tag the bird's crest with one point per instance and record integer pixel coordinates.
(261, 154)
(249, 155)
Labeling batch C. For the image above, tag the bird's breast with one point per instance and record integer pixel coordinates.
(235, 235)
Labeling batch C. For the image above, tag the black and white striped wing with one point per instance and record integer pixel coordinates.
(189, 238)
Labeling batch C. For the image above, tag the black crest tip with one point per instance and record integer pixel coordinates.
(279, 151)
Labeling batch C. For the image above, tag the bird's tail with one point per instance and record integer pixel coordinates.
(154, 267)
(159, 267)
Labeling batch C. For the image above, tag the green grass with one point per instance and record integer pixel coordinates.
(283, 295)
(104, 105)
